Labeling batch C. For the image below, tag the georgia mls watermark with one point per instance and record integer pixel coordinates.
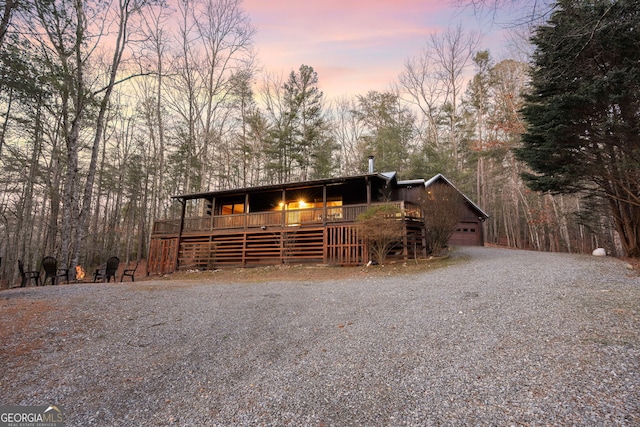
(31, 416)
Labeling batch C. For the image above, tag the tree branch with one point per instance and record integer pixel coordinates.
(133, 76)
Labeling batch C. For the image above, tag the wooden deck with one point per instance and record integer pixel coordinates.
(279, 218)
(327, 236)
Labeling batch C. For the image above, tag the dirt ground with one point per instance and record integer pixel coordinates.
(310, 272)
(24, 312)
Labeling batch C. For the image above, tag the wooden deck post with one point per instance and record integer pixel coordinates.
(246, 209)
(284, 224)
(284, 215)
(183, 202)
(325, 249)
(324, 204)
(213, 212)
(405, 241)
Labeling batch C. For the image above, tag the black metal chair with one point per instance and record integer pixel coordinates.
(27, 276)
(107, 271)
(51, 270)
(50, 267)
(129, 272)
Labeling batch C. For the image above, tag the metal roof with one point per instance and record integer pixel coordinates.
(383, 176)
(290, 185)
(411, 182)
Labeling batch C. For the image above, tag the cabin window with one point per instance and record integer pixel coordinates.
(315, 204)
(300, 204)
(302, 211)
(230, 209)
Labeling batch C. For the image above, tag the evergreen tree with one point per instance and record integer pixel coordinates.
(297, 139)
(389, 130)
(243, 102)
(583, 112)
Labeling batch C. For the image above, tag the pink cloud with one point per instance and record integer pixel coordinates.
(354, 45)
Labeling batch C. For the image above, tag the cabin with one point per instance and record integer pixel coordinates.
(301, 222)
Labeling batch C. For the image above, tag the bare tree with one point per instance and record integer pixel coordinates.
(348, 131)
(216, 43)
(382, 229)
(74, 33)
(150, 98)
(454, 52)
(425, 90)
(442, 208)
(434, 82)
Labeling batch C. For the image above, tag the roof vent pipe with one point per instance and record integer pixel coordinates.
(371, 164)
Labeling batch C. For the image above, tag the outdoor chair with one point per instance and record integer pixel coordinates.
(26, 276)
(50, 267)
(51, 270)
(107, 271)
(129, 272)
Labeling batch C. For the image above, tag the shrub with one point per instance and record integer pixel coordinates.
(382, 228)
(442, 208)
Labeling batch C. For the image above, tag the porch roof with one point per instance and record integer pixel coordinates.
(385, 177)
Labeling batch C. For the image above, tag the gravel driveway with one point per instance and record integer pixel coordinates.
(499, 338)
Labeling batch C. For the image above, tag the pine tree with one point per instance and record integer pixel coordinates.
(389, 130)
(297, 138)
(583, 112)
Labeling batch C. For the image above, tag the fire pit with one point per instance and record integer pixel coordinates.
(81, 274)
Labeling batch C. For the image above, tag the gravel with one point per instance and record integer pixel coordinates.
(500, 338)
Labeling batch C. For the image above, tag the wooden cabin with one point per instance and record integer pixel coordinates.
(311, 221)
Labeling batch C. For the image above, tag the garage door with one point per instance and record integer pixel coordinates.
(467, 234)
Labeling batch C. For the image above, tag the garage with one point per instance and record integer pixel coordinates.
(467, 234)
(469, 229)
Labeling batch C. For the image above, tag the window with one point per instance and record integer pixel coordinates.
(231, 209)
(316, 204)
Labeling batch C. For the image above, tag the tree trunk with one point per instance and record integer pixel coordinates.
(85, 211)
(627, 223)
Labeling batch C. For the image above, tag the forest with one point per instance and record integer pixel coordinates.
(110, 108)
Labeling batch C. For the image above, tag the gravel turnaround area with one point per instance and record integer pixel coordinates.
(497, 337)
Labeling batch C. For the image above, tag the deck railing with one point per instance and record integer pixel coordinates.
(334, 214)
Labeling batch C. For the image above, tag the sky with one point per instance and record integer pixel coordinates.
(354, 45)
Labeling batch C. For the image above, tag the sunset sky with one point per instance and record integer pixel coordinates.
(353, 45)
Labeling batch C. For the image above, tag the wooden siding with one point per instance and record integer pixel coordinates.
(344, 246)
(333, 245)
(252, 248)
(162, 256)
(468, 231)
